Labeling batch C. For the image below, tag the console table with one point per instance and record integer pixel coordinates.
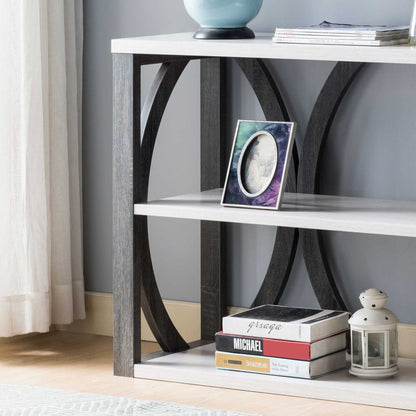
(304, 212)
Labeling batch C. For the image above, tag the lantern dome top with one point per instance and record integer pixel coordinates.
(373, 298)
(373, 314)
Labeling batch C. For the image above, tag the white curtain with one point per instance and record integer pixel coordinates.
(41, 274)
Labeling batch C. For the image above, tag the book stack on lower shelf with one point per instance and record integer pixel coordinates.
(283, 341)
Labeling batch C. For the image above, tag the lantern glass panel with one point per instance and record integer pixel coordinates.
(357, 348)
(393, 346)
(376, 349)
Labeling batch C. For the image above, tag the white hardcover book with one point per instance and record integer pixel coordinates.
(360, 36)
(328, 28)
(287, 323)
(328, 345)
(338, 41)
(281, 366)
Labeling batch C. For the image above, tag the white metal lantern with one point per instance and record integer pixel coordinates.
(373, 337)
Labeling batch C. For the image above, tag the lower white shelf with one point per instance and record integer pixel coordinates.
(197, 366)
(319, 212)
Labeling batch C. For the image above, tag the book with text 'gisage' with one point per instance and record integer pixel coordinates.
(286, 323)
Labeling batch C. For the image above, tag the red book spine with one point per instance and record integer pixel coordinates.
(263, 346)
(286, 349)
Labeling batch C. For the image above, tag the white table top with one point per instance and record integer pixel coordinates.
(261, 47)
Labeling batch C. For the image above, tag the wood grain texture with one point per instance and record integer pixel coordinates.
(213, 169)
(320, 122)
(126, 280)
(284, 250)
(158, 319)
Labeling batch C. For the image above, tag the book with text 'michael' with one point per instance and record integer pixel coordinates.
(267, 347)
(286, 323)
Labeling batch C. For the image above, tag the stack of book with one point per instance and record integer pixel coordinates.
(283, 341)
(328, 33)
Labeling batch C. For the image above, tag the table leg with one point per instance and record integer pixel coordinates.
(126, 147)
(213, 169)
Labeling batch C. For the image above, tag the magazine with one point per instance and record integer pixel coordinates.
(327, 33)
(328, 28)
(340, 41)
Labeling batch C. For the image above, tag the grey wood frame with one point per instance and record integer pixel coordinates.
(126, 279)
(213, 170)
(134, 135)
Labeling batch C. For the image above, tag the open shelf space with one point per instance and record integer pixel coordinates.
(261, 47)
(197, 366)
(320, 212)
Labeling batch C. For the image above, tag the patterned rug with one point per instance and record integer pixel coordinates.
(16, 400)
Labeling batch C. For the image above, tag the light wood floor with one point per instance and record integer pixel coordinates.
(84, 363)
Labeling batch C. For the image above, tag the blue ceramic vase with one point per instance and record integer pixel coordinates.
(223, 19)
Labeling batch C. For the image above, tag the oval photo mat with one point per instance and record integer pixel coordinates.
(235, 190)
(257, 164)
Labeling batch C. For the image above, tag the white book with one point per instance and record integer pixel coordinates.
(338, 41)
(287, 323)
(328, 28)
(281, 366)
(360, 36)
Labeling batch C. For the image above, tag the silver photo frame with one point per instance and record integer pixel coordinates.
(258, 166)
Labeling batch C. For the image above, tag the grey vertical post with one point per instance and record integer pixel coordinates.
(213, 168)
(126, 150)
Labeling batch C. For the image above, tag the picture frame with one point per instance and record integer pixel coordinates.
(259, 164)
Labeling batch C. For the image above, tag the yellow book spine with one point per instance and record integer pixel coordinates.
(243, 363)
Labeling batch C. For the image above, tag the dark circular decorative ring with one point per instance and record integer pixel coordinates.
(284, 250)
(154, 310)
(320, 122)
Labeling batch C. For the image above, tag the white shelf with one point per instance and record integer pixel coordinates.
(197, 366)
(261, 47)
(320, 212)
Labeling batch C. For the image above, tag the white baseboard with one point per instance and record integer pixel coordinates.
(185, 316)
(99, 316)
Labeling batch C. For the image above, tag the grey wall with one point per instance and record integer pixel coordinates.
(371, 152)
